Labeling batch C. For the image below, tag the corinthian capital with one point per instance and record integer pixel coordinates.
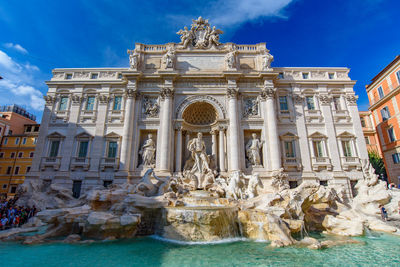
(166, 92)
(352, 99)
(49, 99)
(267, 92)
(325, 99)
(103, 99)
(232, 92)
(130, 93)
(76, 100)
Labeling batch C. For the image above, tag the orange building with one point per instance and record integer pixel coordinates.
(16, 117)
(16, 154)
(370, 135)
(384, 98)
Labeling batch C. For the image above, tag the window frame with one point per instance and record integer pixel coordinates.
(92, 105)
(284, 103)
(308, 103)
(117, 106)
(61, 106)
(380, 92)
(391, 134)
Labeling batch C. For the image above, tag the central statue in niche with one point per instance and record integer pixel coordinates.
(197, 169)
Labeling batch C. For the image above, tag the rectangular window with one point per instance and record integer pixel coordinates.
(367, 140)
(290, 149)
(54, 145)
(12, 155)
(392, 137)
(35, 140)
(119, 76)
(5, 141)
(16, 171)
(362, 122)
(9, 168)
(83, 148)
(13, 189)
(31, 154)
(68, 76)
(20, 154)
(24, 140)
(280, 75)
(380, 92)
(305, 75)
(112, 149)
(28, 169)
(318, 149)
(398, 76)
(94, 76)
(396, 158)
(346, 148)
(310, 103)
(29, 128)
(90, 103)
(331, 76)
(36, 129)
(283, 103)
(385, 113)
(336, 103)
(2, 155)
(17, 140)
(63, 103)
(117, 103)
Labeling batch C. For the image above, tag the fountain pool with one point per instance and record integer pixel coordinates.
(378, 250)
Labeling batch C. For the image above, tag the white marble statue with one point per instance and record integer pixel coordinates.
(235, 186)
(148, 151)
(230, 59)
(369, 172)
(253, 149)
(254, 181)
(279, 180)
(186, 37)
(133, 59)
(169, 59)
(198, 149)
(213, 36)
(266, 60)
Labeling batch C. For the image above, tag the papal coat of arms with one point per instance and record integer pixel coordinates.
(200, 35)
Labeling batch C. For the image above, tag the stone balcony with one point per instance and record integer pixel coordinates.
(321, 163)
(290, 163)
(78, 162)
(313, 116)
(350, 162)
(341, 116)
(109, 163)
(50, 162)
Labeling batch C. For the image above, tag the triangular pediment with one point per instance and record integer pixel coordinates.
(84, 135)
(346, 134)
(289, 135)
(317, 135)
(55, 135)
(112, 135)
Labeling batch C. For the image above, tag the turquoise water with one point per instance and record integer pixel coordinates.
(383, 250)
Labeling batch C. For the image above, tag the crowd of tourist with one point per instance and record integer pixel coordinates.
(12, 215)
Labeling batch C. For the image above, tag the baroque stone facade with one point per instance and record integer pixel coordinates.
(253, 117)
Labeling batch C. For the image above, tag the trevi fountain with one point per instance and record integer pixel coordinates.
(249, 176)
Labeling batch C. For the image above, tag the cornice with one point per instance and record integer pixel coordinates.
(385, 98)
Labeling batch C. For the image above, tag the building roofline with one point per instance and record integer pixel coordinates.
(373, 80)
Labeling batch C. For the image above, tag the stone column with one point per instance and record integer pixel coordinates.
(222, 149)
(303, 143)
(166, 128)
(66, 151)
(98, 141)
(233, 129)
(271, 124)
(187, 139)
(214, 145)
(178, 152)
(332, 144)
(127, 132)
(40, 150)
(358, 132)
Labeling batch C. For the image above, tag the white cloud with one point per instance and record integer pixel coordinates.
(17, 47)
(18, 83)
(233, 12)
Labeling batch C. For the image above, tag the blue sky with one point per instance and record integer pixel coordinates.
(37, 36)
